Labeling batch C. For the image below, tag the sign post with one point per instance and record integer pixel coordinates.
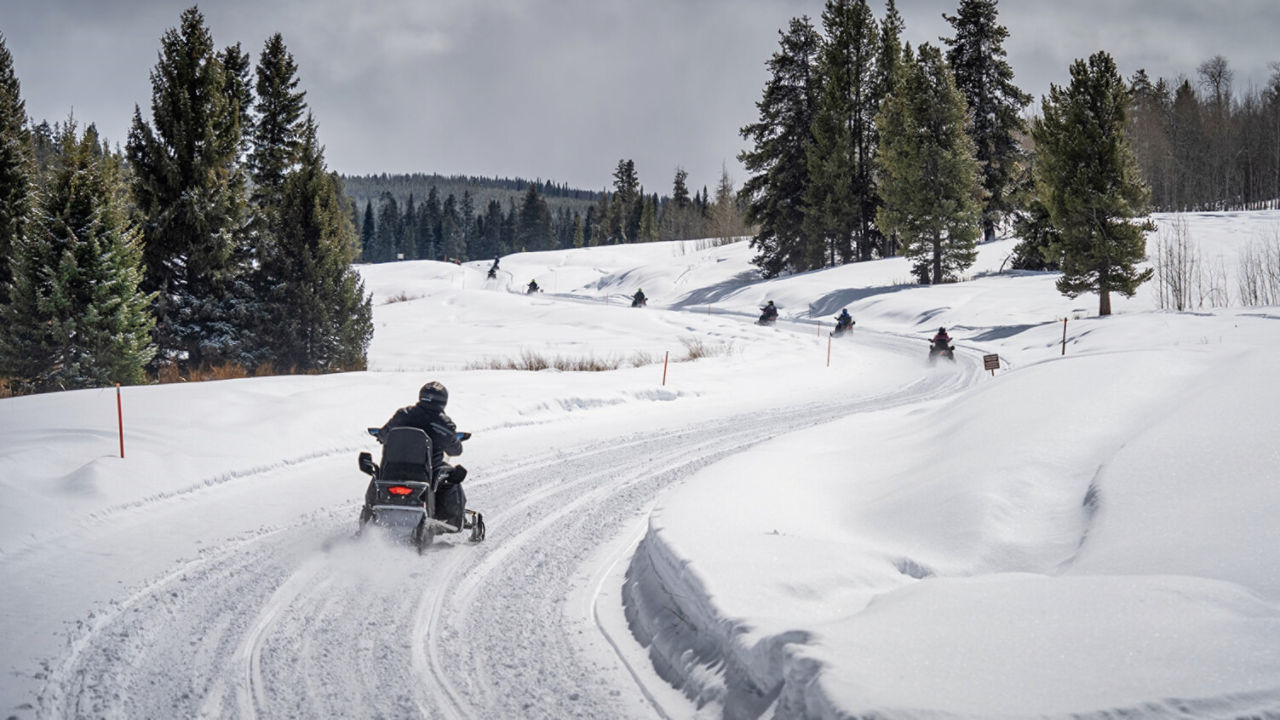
(120, 419)
(992, 363)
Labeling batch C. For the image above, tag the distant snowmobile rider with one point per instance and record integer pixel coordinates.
(942, 339)
(638, 299)
(533, 287)
(844, 320)
(769, 311)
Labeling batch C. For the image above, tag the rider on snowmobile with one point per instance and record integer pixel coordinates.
(844, 321)
(942, 339)
(533, 287)
(638, 300)
(428, 416)
(768, 312)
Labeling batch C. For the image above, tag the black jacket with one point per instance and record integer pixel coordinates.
(431, 420)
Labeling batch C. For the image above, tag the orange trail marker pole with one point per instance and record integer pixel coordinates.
(828, 352)
(665, 359)
(120, 419)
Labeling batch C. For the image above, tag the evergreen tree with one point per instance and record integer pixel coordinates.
(467, 213)
(76, 317)
(431, 227)
(322, 320)
(16, 170)
(387, 239)
(410, 230)
(726, 221)
(977, 57)
(236, 66)
(841, 198)
(491, 235)
(277, 134)
(453, 244)
(624, 211)
(779, 161)
(1088, 179)
(932, 195)
(533, 229)
(368, 231)
(188, 183)
(649, 220)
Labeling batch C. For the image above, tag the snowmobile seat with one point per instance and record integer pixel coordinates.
(406, 453)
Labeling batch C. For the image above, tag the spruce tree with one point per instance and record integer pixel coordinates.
(321, 317)
(277, 134)
(386, 241)
(77, 318)
(930, 185)
(188, 183)
(1089, 181)
(977, 58)
(841, 198)
(779, 161)
(453, 244)
(16, 168)
(368, 231)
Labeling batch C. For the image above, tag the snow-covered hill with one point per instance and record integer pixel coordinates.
(797, 527)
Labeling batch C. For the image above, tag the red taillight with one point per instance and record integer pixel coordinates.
(399, 490)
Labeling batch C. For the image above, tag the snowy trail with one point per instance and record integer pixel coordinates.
(304, 621)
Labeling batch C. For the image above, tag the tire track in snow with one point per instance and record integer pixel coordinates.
(273, 626)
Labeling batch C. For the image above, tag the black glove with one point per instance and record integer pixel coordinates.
(458, 474)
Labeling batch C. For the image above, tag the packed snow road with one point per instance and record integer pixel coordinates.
(303, 620)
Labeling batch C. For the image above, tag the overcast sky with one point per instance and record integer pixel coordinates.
(562, 89)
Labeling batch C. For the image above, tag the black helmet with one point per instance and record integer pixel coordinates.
(942, 330)
(433, 393)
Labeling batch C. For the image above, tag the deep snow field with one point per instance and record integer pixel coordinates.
(1091, 531)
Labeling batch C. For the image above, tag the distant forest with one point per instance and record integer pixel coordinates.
(459, 218)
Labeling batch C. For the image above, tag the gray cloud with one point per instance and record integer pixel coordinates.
(561, 89)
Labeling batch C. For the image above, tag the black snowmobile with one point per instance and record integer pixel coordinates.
(639, 300)
(407, 492)
(941, 347)
(844, 326)
(768, 315)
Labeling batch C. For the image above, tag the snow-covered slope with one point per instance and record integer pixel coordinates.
(843, 531)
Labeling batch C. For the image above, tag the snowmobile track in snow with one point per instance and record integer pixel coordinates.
(293, 623)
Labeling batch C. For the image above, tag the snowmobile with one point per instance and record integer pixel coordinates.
(843, 328)
(768, 315)
(940, 347)
(639, 301)
(404, 489)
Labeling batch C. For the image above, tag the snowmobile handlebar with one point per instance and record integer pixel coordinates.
(375, 431)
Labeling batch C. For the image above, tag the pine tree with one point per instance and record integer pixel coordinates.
(726, 221)
(277, 134)
(533, 229)
(188, 183)
(322, 319)
(932, 195)
(1089, 181)
(76, 317)
(16, 168)
(454, 246)
(649, 220)
(386, 241)
(977, 57)
(841, 198)
(775, 193)
(368, 231)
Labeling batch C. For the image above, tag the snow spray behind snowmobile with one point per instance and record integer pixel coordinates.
(405, 491)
